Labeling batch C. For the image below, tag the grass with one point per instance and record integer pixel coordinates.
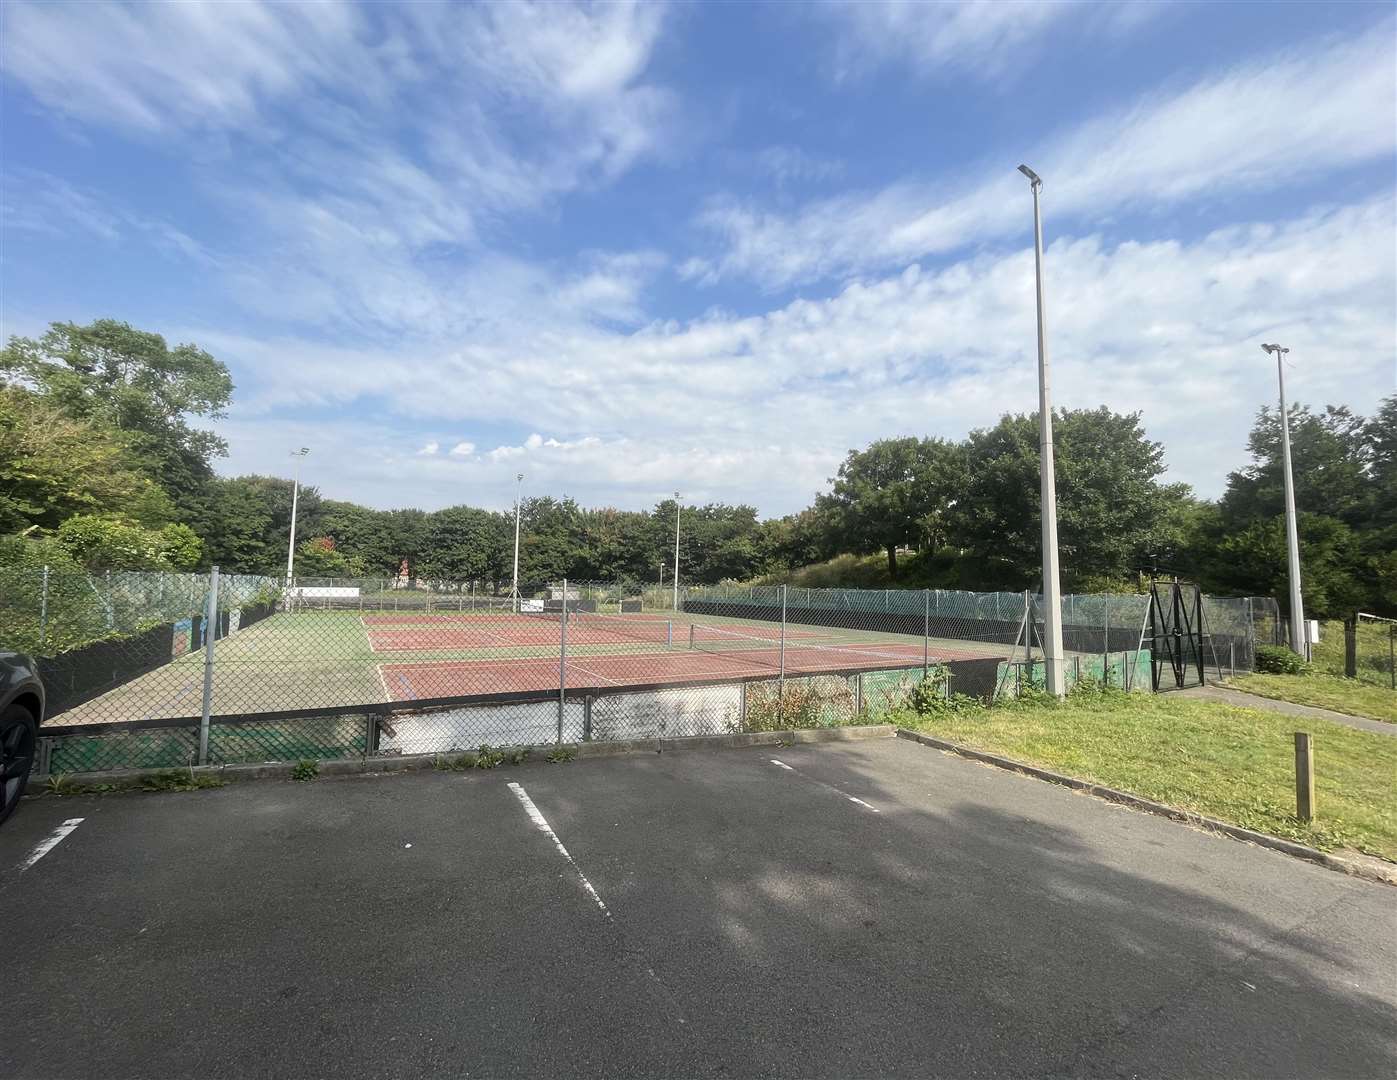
(1325, 691)
(1225, 762)
(170, 780)
(1373, 651)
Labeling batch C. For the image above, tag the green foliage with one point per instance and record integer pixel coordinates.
(180, 780)
(895, 493)
(53, 465)
(561, 753)
(106, 542)
(801, 704)
(319, 557)
(305, 769)
(131, 381)
(929, 697)
(489, 757)
(1278, 660)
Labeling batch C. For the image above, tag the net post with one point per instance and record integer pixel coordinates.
(562, 660)
(210, 633)
(691, 637)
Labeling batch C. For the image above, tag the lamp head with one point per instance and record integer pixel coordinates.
(302, 452)
(1034, 178)
(1274, 349)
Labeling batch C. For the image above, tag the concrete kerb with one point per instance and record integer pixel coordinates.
(281, 770)
(1379, 873)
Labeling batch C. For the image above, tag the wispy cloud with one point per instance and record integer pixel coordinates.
(984, 39)
(1265, 124)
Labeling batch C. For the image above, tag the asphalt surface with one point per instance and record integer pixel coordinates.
(748, 920)
(1229, 696)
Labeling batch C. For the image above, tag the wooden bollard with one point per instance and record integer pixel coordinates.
(1304, 777)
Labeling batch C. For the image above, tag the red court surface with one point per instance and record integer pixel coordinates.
(494, 634)
(454, 678)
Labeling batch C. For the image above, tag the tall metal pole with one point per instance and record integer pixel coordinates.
(299, 455)
(518, 493)
(210, 635)
(676, 551)
(1052, 602)
(1292, 538)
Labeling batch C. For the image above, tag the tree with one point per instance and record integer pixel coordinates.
(318, 557)
(53, 466)
(896, 493)
(105, 542)
(1112, 510)
(1330, 454)
(463, 543)
(246, 522)
(132, 382)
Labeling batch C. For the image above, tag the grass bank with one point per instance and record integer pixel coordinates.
(1226, 762)
(1324, 691)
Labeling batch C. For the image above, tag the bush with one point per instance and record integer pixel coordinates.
(1278, 660)
(306, 769)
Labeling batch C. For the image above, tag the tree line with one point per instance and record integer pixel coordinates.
(100, 468)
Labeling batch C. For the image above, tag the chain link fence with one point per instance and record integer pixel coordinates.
(155, 670)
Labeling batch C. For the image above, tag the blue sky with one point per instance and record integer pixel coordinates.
(707, 248)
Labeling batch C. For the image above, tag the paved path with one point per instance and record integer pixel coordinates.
(1230, 696)
(691, 913)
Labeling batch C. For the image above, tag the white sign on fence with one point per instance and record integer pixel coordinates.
(323, 592)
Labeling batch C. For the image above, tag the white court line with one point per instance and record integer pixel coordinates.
(542, 823)
(50, 842)
(596, 675)
(828, 787)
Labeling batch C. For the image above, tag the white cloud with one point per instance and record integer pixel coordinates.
(1164, 327)
(1283, 119)
(980, 37)
(463, 449)
(429, 450)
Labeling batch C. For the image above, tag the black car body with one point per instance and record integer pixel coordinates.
(21, 712)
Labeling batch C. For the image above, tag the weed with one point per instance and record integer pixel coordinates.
(519, 755)
(560, 753)
(60, 784)
(488, 757)
(1278, 660)
(306, 769)
(178, 780)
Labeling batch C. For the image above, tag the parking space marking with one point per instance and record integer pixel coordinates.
(541, 822)
(50, 842)
(828, 787)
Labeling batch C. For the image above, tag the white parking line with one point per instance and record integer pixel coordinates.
(51, 841)
(828, 787)
(536, 816)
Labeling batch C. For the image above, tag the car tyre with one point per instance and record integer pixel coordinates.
(18, 734)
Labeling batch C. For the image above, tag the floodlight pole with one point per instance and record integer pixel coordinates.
(675, 606)
(299, 455)
(1052, 591)
(1292, 536)
(514, 587)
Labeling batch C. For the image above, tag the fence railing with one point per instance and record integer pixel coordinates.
(174, 669)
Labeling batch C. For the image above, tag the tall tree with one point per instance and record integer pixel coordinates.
(892, 494)
(53, 466)
(1111, 505)
(131, 381)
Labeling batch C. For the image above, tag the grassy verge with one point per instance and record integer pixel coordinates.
(1326, 692)
(1226, 762)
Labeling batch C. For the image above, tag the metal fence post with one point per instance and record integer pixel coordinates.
(926, 632)
(587, 718)
(781, 686)
(44, 608)
(742, 705)
(210, 633)
(563, 660)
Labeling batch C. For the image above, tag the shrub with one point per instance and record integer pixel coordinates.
(560, 754)
(306, 769)
(1278, 660)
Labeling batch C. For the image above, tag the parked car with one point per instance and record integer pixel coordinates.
(21, 711)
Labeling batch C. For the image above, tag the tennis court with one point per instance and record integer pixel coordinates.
(325, 658)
